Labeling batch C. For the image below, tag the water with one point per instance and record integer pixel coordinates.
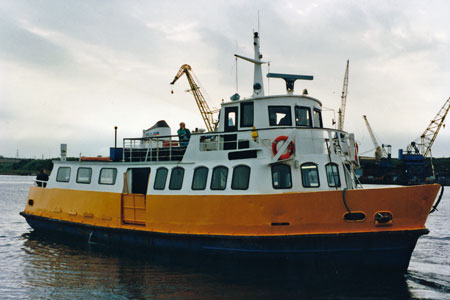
(38, 267)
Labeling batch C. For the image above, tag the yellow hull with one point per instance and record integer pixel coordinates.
(284, 214)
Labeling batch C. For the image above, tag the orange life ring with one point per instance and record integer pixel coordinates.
(291, 147)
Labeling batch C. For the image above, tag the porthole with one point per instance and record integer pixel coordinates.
(357, 216)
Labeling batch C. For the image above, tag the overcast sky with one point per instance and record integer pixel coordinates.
(72, 70)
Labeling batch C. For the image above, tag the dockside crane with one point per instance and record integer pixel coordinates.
(341, 112)
(429, 135)
(205, 111)
(379, 151)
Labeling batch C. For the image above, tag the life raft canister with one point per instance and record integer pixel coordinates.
(291, 147)
(356, 151)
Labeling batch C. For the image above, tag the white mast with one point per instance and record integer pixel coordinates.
(258, 85)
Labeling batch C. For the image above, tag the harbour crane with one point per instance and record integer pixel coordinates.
(206, 112)
(429, 135)
(379, 151)
(341, 112)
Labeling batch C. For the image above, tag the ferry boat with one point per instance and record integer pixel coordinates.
(269, 182)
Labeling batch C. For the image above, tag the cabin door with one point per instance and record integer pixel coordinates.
(135, 184)
(231, 125)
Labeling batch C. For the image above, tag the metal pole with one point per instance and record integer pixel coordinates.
(115, 137)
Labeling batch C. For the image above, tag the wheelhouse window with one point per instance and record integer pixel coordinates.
(176, 178)
(200, 178)
(280, 116)
(63, 174)
(281, 176)
(247, 114)
(84, 175)
(231, 118)
(317, 117)
(108, 176)
(310, 175)
(219, 178)
(160, 179)
(302, 116)
(332, 171)
(241, 177)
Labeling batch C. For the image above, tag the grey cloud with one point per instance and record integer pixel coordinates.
(22, 45)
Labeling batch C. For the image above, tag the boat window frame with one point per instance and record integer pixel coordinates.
(290, 176)
(173, 173)
(213, 177)
(334, 175)
(247, 108)
(114, 176)
(205, 181)
(319, 113)
(78, 175)
(229, 110)
(68, 177)
(157, 188)
(233, 187)
(316, 167)
(308, 109)
(272, 107)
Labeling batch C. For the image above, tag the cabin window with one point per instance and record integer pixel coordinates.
(317, 116)
(63, 174)
(302, 116)
(160, 179)
(200, 178)
(84, 175)
(219, 178)
(333, 175)
(310, 175)
(247, 114)
(176, 178)
(108, 176)
(281, 176)
(241, 177)
(280, 116)
(231, 118)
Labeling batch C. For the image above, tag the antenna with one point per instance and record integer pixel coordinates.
(258, 22)
(268, 78)
(237, 82)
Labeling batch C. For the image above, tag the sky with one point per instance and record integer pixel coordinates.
(72, 70)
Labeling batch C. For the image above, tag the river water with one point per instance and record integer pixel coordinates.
(39, 267)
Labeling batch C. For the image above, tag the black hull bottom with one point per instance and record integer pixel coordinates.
(351, 251)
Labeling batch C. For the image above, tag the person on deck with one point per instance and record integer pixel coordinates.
(42, 178)
(184, 135)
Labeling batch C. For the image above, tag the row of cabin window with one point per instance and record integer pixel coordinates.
(84, 175)
(279, 115)
(282, 179)
(240, 178)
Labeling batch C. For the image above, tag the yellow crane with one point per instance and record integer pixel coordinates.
(430, 134)
(380, 152)
(341, 112)
(205, 111)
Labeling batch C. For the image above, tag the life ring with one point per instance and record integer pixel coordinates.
(291, 147)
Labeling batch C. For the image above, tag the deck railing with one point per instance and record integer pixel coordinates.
(159, 148)
(169, 148)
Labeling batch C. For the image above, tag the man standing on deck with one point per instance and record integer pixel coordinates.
(184, 135)
(42, 178)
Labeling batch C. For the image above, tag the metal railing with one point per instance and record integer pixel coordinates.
(159, 148)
